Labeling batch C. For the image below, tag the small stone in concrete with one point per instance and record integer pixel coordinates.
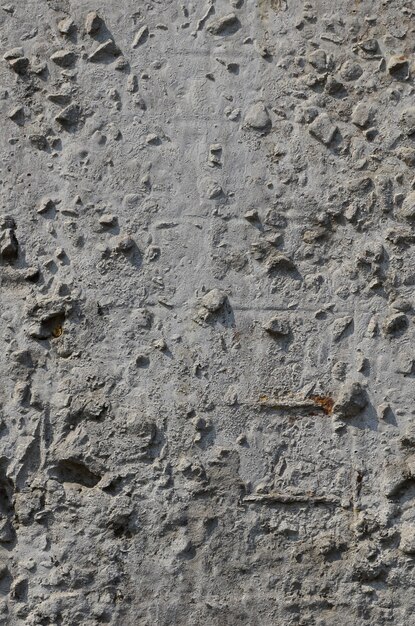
(93, 23)
(64, 58)
(226, 25)
(323, 129)
(141, 36)
(214, 300)
(277, 326)
(351, 401)
(257, 117)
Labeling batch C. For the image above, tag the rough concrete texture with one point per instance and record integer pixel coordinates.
(207, 274)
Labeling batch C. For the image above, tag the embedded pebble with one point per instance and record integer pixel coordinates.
(352, 400)
(277, 326)
(63, 58)
(66, 25)
(106, 49)
(257, 117)
(93, 23)
(323, 129)
(140, 36)
(227, 24)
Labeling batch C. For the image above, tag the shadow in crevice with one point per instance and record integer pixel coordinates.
(102, 32)
(224, 317)
(7, 511)
(71, 471)
(366, 420)
(389, 417)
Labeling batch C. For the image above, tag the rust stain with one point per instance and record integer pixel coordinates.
(57, 331)
(325, 402)
(292, 403)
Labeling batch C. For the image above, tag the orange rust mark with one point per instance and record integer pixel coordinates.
(325, 402)
(57, 331)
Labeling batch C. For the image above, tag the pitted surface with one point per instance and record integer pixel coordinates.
(207, 313)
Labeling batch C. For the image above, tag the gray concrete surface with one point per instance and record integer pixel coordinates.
(207, 323)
